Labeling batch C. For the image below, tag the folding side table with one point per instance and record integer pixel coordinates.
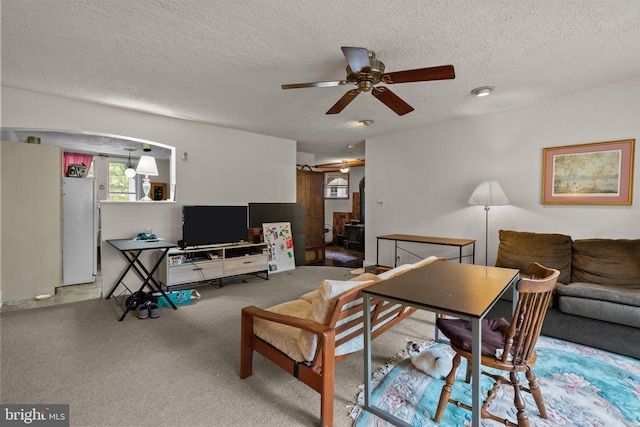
(131, 250)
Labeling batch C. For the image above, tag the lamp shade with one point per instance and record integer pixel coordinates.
(147, 166)
(488, 193)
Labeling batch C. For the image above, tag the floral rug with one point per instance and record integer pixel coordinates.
(581, 386)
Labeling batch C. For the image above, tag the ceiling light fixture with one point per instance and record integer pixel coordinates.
(366, 122)
(130, 172)
(345, 167)
(482, 91)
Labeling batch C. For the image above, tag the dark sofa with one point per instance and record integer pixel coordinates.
(597, 298)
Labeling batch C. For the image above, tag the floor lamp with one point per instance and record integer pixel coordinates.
(487, 194)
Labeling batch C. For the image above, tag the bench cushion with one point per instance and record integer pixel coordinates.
(317, 306)
(329, 291)
(310, 296)
(425, 261)
(283, 337)
(395, 271)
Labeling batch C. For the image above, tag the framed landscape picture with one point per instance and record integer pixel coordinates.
(588, 174)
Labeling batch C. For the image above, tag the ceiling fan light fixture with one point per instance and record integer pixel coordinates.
(365, 71)
(366, 122)
(482, 91)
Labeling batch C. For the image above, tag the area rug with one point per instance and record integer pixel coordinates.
(581, 386)
(341, 259)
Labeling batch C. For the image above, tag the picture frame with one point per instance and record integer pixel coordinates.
(589, 174)
(158, 191)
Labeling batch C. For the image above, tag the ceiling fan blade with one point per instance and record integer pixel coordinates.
(392, 100)
(358, 59)
(343, 102)
(442, 72)
(315, 84)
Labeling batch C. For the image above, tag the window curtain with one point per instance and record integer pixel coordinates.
(76, 159)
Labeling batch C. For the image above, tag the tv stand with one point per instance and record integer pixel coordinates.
(213, 262)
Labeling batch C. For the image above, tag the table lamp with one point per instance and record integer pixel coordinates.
(487, 194)
(146, 166)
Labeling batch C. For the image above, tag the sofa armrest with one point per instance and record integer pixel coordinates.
(296, 322)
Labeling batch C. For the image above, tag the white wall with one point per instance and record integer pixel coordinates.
(425, 176)
(224, 166)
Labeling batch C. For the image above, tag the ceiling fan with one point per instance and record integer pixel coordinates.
(366, 71)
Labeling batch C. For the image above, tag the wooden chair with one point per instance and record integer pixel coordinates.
(516, 340)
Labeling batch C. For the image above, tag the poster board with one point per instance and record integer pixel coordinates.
(280, 240)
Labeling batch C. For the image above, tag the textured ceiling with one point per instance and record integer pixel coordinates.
(223, 62)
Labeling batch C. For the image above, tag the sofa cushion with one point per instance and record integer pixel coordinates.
(607, 262)
(616, 294)
(601, 310)
(518, 249)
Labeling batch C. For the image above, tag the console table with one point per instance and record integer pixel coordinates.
(444, 241)
(131, 250)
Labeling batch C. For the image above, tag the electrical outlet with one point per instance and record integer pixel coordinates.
(380, 203)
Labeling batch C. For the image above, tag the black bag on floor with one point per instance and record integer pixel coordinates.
(139, 298)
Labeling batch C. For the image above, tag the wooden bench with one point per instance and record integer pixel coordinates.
(339, 332)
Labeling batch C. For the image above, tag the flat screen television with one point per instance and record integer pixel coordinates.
(209, 225)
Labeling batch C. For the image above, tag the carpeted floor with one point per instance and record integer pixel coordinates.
(581, 386)
(181, 369)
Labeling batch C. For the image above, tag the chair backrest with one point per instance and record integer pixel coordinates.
(348, 321)
(534, 296)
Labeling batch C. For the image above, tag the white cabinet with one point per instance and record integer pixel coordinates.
(206, 263)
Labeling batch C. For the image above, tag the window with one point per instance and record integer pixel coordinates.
(121, 188)
(336, 185)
